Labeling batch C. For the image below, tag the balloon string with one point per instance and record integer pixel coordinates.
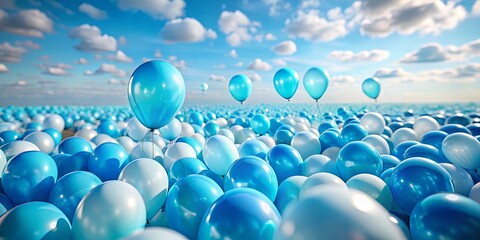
(318, 108)
(153, 144)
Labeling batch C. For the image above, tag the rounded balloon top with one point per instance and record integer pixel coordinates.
(204, 87)
(371, 87)
(315, 82)
(240, 87)
(285, 81)
(156, 92)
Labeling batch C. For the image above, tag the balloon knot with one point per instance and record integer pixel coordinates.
(152, 130)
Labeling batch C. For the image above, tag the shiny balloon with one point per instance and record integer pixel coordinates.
(321, 179)
(402, 135)
(5, 204)
(156, 92)
(184, 167)
(172, 130)
(177, 151)
(210, 129)
(434, 138)
(378, 142)
(240, 87)
(371, 87)
(315, 82)
(400, 149)
(306, 143)
(462, 150)
(373, 122)
(204, 87)
(288, 192)
(425, 151)
(389, 161)
(260, 124)
(74, 145)
(358, 157)
(374, 187)
(153, 233)
(286, 161)
(107, 161)
(462, 181)
(55, 134)
(285, 82)
(253, 147)
(135, 129)
(219, 153)
(425, 124)
(318, 163)
(14, 148)
(54, 121)
(352, 132)
(42, 140)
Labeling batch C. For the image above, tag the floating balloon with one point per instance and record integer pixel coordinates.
(204, 87)
(219, 153)
(315, 82)
(371, 88)
(358, 157)
(285, 82)
(462, 150)
(156, 92)
(286, 161)
(240, 87)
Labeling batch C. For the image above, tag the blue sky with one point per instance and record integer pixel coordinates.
(83, 52)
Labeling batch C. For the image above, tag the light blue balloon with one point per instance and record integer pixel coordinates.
(321, 179)
(108, 160)
(172, 130)
(253, 147)
(114, 206)
(156, 92)
(187, 202)
(285, 82)
(204, 87)
(240, 87)
(74, 145)
(285, 160)
(219, 153)
(35, 220)
(318, 163)
(374, 187)
(371, 87)
(358, 157)
(315, 82)
(184, 167)
(260, 124)
(288, 191)
(211, 129)
(153, 233)
(70, 189)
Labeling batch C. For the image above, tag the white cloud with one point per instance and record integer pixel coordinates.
(237, 27)
(158, 9)
(122, 40)
(279, 62)
(255, 77)
(107, 68)
(181, 64)
(258, 64)
(390, 73)
(9, 53)
(120, 56)
(238, 64)
(185, 30)
(468, 71)
(31, 23)
(435, 52)
(28, 44)
(3, 68)
(233, 53)
(270, 37)
(158, 54)
(285, 48)
(374, 55)
(56, 71)
(476, 8)
(82, 61)
(343, 79)
(309, 4)
(92, 11)
(217, 78)
(311, 27)
(22, 83)
(115, 81)
(92, 40)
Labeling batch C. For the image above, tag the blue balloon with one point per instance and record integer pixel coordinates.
(352, 132)
(156, 92)
(260, 124)
(70, 189)
(108, 160)
(315, 82)
(255, 217)
(286, 161)
(434, 138)
(240, 87)
(215, 177)
(324, 126)
(67, 163)
(184, 167)
(9, 136)
(74, 145)
(187, 202)
(275, 123)
(458, 118)
(35, 220)
(285, 82)
(371, 87)
(34, 126)
(195, 118)
(55, 134)
(329, 139)
(445, 216)
(252, 172)
(193, 143)
(358, 157)
(399, 151)
(253, 147)
(211, 129)
(474, 128)
(219, 153)
(108, 127)
(203, 87)
(425, 151)
(5, 204)
(454, 128)
(29, 176)
(289, 191)
(417, 178)
(283, 136)
(389, 161)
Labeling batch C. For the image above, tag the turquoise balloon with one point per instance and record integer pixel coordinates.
(108, 160)
(315, 82)
(260, 124)
(156, 92)
(371, 87)
(285, 160)
(241, 213)
(289, 191)
(204, 87)
(253, 147)
(187, 202)
(445, 216)
(70, 189)
(74, 145)
(35, 220)
(285, 82)
(114, 206)
(5, 204)
(240, 87)
(358, 157)
(184, 167)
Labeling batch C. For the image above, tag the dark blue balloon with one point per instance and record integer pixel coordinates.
(329, 139)
(9, 136)
(5, 204)
(352, 132)
(108, 160)
(458, 118)
(394, 126)
(399, 151)
(55, 134)
(434, 138)
(425, 151)
(286, 161)
(358, 157)
(454, 128)
(74, 145)
(474, 128)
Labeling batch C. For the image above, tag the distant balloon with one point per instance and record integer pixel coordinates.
(240, 87)
(204, 87)
(371, 87)
(315, 82)
(285, 81)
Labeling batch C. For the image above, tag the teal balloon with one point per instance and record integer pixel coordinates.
(187, 202)
(35, 220)
(156, 92)
(285, 82)
(241, 213)
(358, 157)
(315, 82)
(445, 216)
(108, 160)
(184, 167)
(260, 124)
(114, 206)
(240, 87)
(204, 87)
(371, 87)
(5, 204)
(286, 161)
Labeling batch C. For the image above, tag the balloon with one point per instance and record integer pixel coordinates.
(462, 150)
(462, 181)
(321, 180)
(252, 172)
(12, 149)
(156, 92)
(399, 150)
(54, 121)
(269, 141)
(42, 140)
(126, 143)
(425, 124)
(332, 153)
(87, 134)
(358, 157)
(454, 128)
(135, 129)
(74, 145)
(318, 163)
(116, 197)
(445, 216)
(108, 127)
(285, 82)
(373, 122)
(424, 150)
(475, 193)
(240, 87)
(107, 161)
(286, 161)
(184, 167)
(29, 176)
(255, 217)
(402, 135)
(253, 147)
(177, 151)
(219, 153)
(260, 124)
(329, 139)
(9, 135)
(55, 134)
(283, 136)
(35, 220)
(70, 189)
(417, 178)
(352, 132)
(306, 143)
(5, 204)
(371, 87)
(378, 143)
(332, 213)
(288, 191)
(210, 129)
(187, 202)
(315, 82)
(195, 118)
(153, 233)
(434, 138)
(204, 87)
(374, 187)
(172, 130)
(147, 150)
(389, 161)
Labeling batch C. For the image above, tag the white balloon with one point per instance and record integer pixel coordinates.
(199, 138)
(320, 180)
(103, 138)
(153, 233)
(402, 135)
(135, 129)
(373, 122)
(40, 118)
(146, 150)
(172, 130)
(222, 122)
(374, 187)
(306, 143)
(378, 142)
(14, 148)
(42, 140)
(176, 151)
(318, 163)
(332, 153)
(462, 150)
(244, 135)
(227, 133)
(54, 121)
(3, 160)
(425, 124)
(187, 130)
(462, 181)
(235, 128)
(269, 141)
(126, 143)
(87, 134)
(289, 121)
(300, 127)
(314, 131)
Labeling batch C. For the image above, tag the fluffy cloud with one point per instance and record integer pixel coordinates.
(435, 52)
(238, 64)
(82, 61)
(343, 79)
(279, 62)
(255, 77)
(106, 68)
(3, 68)
(275, 6)
(374, 55)
(233, 53)
(122, 40)
(270, 37)
(469, 71)
(258, 64)
(56, 71)
(285, 48)
(9, 53)
(186, 30)
(120, 56)
(217, 78)
(115, 81)
(158, 54)
(237, 27)
(476, 8)
(32, 23)
(158, 9)
(311, 27)
(92, 11)
(92, 40)
(390, 73)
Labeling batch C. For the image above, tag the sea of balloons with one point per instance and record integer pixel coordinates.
(160, 170)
